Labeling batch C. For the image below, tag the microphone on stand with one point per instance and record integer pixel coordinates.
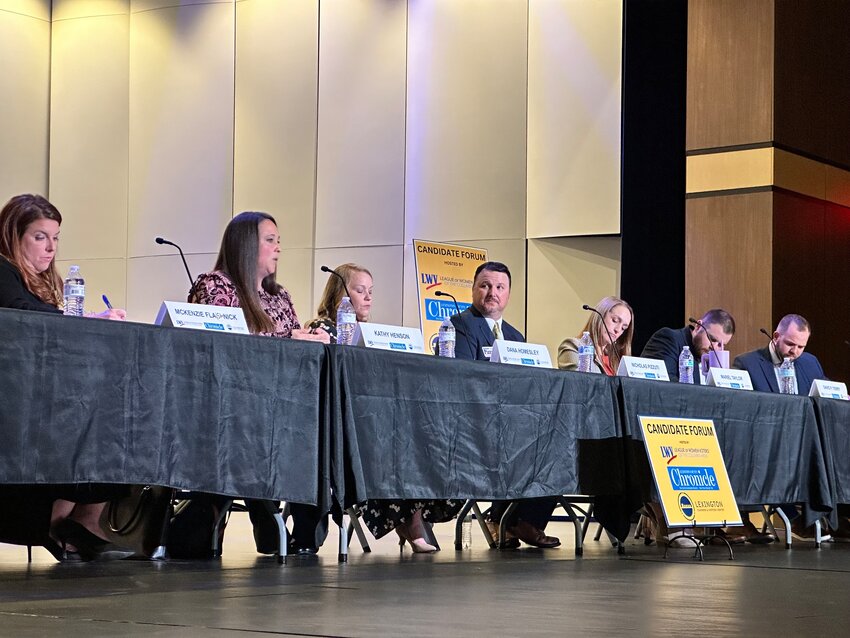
(592, 309)
(712, 343)
(440, 293)
(767, 334)
(160, 240)
(341, 278)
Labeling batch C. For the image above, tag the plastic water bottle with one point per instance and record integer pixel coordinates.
(686, 366)
(75, 292)
(787, 377)
(586, 351)
(346, 321)
(466, 532)
(447, 339)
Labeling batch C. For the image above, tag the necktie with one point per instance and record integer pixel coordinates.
(497, 334)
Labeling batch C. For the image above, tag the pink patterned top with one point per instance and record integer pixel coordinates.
(217, 289)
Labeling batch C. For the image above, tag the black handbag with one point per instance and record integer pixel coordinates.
(139, 521)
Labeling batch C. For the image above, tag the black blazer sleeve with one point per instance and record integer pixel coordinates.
(13, 293)
(664, 345)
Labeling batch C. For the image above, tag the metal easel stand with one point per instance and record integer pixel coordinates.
(700, 541)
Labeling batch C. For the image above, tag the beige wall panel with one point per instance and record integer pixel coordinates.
(89, 134)
(103, 277)
(24, 120)
(574, 98)
(32, 8)
(511, 252)
(275, 134)
(360, 170)
(181, 127)
(152, 280)
(69, 9)
(466, 119)
(137, 6)
(384, 262)
(563, 274)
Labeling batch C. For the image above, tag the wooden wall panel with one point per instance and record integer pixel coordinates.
(730, 73)
(729, 261)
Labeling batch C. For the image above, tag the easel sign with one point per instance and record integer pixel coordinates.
(689, 472)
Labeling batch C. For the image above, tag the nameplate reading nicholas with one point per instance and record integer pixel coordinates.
(642, 368)
(178, 314)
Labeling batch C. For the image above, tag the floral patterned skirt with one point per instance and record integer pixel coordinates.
(383, 516)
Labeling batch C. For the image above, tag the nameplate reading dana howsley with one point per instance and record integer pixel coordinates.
(201, 317)
(383, 337)
(520, 353)
(689, 472)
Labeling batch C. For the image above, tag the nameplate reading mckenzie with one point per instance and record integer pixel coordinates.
(828, 389)
(642, 368)
(382, 337)
(201, 317)
(521, 354)
(729, 378)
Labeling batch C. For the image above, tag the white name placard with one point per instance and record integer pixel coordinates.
(731, 378)
(642, 368)
(487, 351)
(200, 317)
(828, 389)
(382, 337)
(521, 354)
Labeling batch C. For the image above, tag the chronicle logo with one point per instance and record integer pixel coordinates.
(686, 506)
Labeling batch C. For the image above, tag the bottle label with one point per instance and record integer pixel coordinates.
(689, 363)
(75, 290)
(585, 350)
(786, 372)
(346, 317)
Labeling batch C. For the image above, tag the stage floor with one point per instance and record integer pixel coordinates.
(511, 593)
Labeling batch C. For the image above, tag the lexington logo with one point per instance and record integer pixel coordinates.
(686, 506)
(430, 280)
(667, 453)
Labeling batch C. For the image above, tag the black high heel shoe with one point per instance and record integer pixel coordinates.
(60, 553)
(89, 546)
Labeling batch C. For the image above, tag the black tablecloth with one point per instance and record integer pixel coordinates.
(834, 423)
(88, 400)
(770, 442)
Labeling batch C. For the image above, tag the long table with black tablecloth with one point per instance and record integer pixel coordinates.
(109, 402)
(98, 401)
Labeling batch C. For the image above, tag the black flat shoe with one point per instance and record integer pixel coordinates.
(89, 546)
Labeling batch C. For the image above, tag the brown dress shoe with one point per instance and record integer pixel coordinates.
(530, 535)
(734, 535)
(756, 536)
(511, 541)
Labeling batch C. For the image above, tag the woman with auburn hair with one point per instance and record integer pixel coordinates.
(611, 330)
(245, 276)
(29, 238)
(358, 281)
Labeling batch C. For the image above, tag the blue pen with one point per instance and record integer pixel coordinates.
(106, 301)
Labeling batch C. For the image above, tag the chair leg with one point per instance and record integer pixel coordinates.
(479, 516)
(283, 543)
(355, 526)
(787, 524)
(342, 556)
(503, 522)
(570, 509)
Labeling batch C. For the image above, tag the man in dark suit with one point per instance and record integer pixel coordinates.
(789, 342)
(716, 331)
(476, 329)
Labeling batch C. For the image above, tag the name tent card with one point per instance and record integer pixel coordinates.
(731, 378)
(642, 368)
(828, 389)
(521, 354)
(383, 337)
(178, 314)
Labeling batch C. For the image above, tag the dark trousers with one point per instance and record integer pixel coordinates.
(309, 525)
(536, 511)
